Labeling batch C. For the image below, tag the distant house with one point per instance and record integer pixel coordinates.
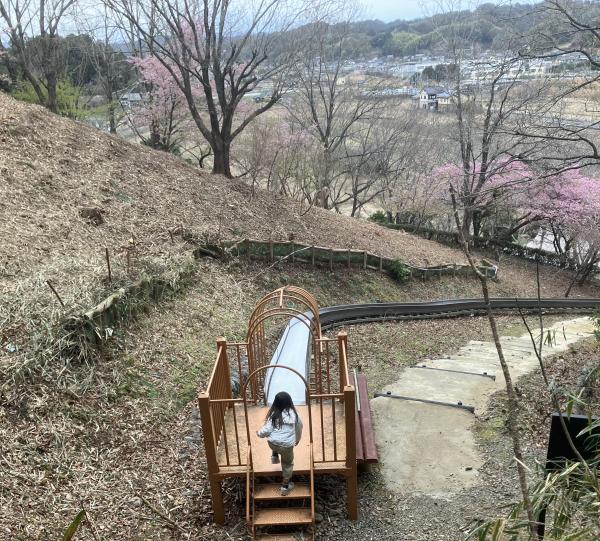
(130, 99)
(444, 99)
(428, 98)
(434, 98)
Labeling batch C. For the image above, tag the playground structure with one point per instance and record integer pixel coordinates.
(285, 350)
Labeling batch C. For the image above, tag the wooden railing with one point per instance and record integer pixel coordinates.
(332, 387)
(214, 405)
(329, 394)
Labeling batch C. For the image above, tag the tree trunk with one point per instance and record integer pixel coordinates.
(512, 422)
(512, 418)
(155, 142)
(221, 160)
(466, 223)
(112, 122)
(476, 223)
(51, 98)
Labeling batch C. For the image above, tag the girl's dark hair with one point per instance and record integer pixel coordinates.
(283, 402)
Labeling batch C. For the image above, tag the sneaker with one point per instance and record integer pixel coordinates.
(274, 458)
(287, 488)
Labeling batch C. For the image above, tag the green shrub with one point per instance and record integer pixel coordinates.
(378, 217)
(67, 95)
(399, 271)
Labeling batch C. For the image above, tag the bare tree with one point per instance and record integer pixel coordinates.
(212, 50)
(38, 20)
(570, 34)
(380, 151)
(329, 104)
(512, 420)
(111, 66)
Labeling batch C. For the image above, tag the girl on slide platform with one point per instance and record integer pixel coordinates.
(283, 430)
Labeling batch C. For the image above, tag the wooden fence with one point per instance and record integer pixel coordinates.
(318, 255)
(451, 238)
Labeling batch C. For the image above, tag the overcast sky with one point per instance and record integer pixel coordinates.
(390, 10)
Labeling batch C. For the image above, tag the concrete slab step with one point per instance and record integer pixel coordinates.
(440, 386)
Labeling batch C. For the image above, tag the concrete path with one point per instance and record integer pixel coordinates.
(430, 449)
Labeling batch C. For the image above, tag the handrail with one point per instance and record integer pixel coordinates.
(248, 492)
(343, 360)
(326, 395)
(312, 486)
(213, 374)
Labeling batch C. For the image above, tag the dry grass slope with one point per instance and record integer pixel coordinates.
(52, 169)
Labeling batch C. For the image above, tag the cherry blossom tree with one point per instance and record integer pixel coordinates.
(226, 49)
(569, 207)
(162, 108)
(493, 195)
(277, 154)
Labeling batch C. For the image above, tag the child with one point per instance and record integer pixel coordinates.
(283, 430)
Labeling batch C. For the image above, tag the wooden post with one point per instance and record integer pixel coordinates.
(351, 480)
(217, 499)
(342, 338)
(293, 254)
(312, 254)
(330, 259)
(210, 448)
(108, 265)
(349, 257)
(365, 260)
(271, 250)
(380, 263)
(222, 343)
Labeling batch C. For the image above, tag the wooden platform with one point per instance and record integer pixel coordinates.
(329, 455)
(366, 449)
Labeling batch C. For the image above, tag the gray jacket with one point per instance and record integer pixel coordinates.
(287, 435)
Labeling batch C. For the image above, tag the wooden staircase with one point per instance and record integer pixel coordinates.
(267, 509)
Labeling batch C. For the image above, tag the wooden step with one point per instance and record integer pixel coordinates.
(282, 517)
(273, 492)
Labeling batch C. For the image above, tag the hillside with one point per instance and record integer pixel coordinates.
(118, 434)
(488, 26)
(60, 179)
